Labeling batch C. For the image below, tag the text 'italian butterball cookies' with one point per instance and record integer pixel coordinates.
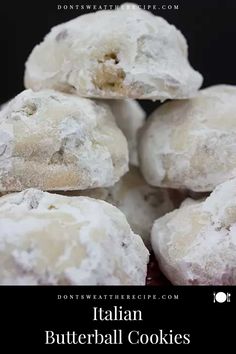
(51, 239)
(124, 53)
(54, 141)
(196, 244)
(191, 143)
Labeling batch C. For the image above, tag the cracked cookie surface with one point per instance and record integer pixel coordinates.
(119, 53)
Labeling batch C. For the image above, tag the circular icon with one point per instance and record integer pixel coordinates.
(221, 297)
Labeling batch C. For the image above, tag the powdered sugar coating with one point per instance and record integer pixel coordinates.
(52, 239)
(54, 141)
(130, 117)
(140, 203)
(114, 54)
(196, 244)
(192, 143)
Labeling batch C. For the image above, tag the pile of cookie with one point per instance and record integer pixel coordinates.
(89, 186)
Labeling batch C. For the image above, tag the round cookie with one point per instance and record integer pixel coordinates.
(196, 244)
(141, 203)
(51, 239)
(191, 143)
(123, 53)
(55, 141)
(130, 117)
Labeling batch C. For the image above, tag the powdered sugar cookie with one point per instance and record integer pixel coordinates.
(196, 244)
(191, 143)
(55, 141)
(120, 53)
(52, 239)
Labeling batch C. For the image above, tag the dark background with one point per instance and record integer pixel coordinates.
(29, 311)
(208, 25)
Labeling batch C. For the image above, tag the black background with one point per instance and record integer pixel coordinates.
(208, 25)
(30, 311)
